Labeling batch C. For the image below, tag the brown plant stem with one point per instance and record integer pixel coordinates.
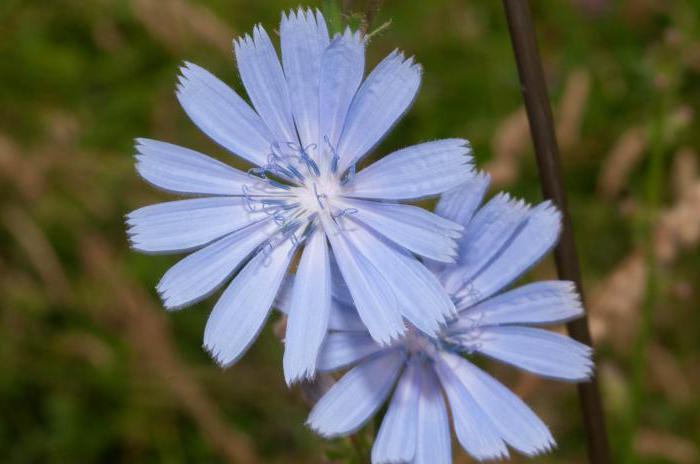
(534, 90)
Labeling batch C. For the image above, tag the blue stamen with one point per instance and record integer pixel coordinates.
(344, 212)
(274, 165)
(248, 201)
(336, 158)
(296, 172)
(273, 202)
(274, 183)
(318, 197)
(289, 231)
(341, 214)
(310, 163)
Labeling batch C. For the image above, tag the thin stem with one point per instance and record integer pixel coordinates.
(534, 90)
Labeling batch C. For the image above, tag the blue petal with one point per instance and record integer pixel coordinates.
(265, 83)
(181, 170)
(475, 431)
(459, 205)
(420, 296)
(283, 300)
(516, 423)
(224, 116)
(380, 102)
(342, 349)
(186, 224)
(410, 227)
(343, 316)
(535, 238)
(342, 68)
(340, 290)
(303, 37)
(310, 308)
(545, 302)
(538, 351)
(352, 401)
(396, 440)
(242, 310)
(433, 442)
(488, 232)
(373, 297)
(415, 172)
(198, 275)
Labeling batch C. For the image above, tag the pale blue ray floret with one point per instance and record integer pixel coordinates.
(502, 240)
(313, 118)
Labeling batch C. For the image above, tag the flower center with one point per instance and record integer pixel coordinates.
(417, 343)
(295, 189)
(316, 195)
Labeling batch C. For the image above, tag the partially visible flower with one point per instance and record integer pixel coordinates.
(313, 120)
(502, 240)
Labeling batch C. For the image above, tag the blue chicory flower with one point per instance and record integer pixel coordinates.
(502, 240)
(313, 118)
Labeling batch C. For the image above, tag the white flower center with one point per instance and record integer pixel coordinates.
(317, 194)
(295, 189)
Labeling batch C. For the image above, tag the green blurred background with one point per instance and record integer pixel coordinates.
(93, 370)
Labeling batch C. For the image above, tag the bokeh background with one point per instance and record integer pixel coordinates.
(93, 370)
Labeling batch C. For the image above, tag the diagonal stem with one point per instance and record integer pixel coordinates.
(534, 90)
(371, 11)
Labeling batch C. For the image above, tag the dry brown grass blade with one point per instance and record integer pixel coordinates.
(84, 346)
(630, 148)
(660, 444)
(39, 251)
(511, 140)
(679, 226)
(147, 331)
(572, 106)
(668, 375)
(626, 153)
(57, 161)
(17, 170)
(613, 303)
(179, 23)
(685, 172)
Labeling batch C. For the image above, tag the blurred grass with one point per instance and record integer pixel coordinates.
(92, 370)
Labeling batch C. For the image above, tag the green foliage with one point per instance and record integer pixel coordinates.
(333, 13)
(92, 369)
